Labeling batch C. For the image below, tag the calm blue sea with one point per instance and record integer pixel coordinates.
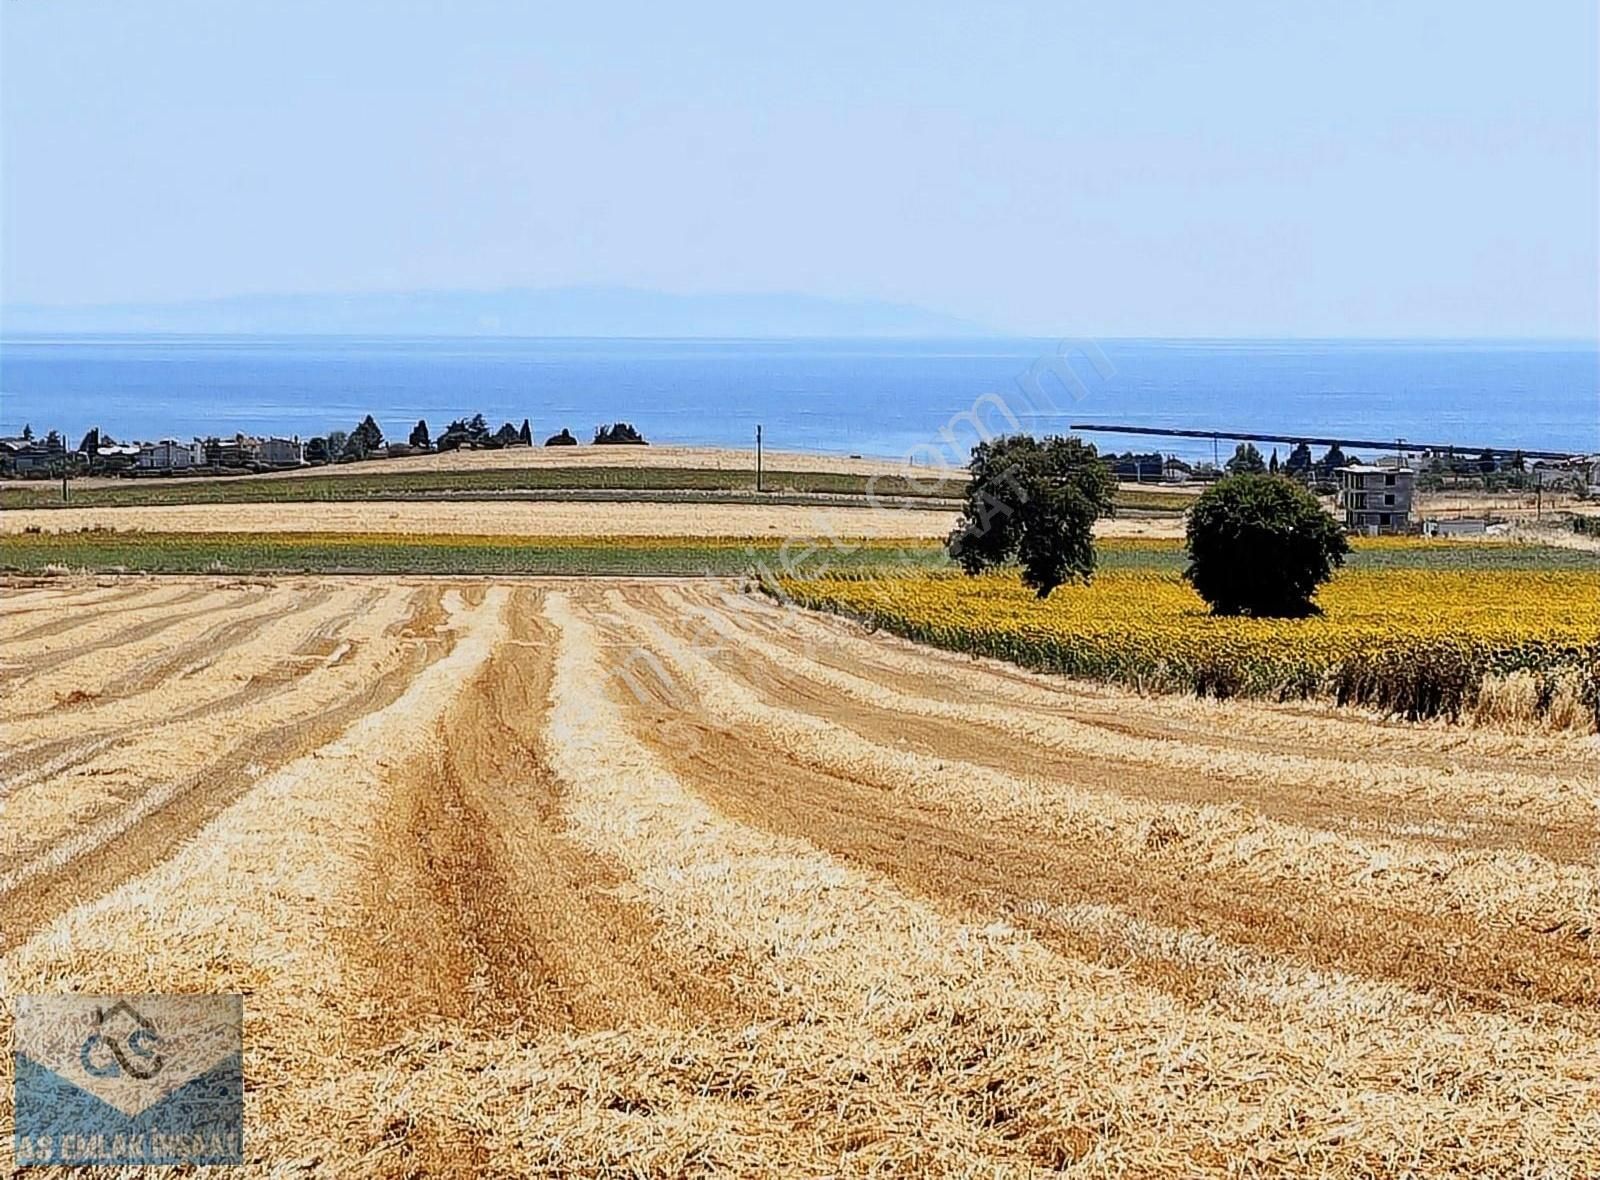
(867, 397)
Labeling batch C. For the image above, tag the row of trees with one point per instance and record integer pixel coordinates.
(471, 433)
(1247, 460)
(1258, 542)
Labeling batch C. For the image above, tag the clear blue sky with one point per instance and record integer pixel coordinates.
(1254, 169)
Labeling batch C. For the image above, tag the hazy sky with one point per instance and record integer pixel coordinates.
(1055, 168)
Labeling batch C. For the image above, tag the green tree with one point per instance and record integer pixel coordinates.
(1299, 462)
(419, 435)
(1034, 502)
(371, 437)
(1272, 463)
(1246, 460)
(1261, 545)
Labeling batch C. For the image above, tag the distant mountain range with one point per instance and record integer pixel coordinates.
(569, 311)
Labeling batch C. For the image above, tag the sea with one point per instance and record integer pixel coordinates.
(924, 399)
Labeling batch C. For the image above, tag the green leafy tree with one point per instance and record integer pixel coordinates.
(1272, 463)
(1299, 463)
(371, 437)
(1261, 545)
(1246, 460)
(419, 435)
(1036, 503)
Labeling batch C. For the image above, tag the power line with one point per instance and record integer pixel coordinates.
(1314, 440)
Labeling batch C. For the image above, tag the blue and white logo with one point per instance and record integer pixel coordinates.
(129, 1079)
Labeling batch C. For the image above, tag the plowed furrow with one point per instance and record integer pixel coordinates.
(1290, 728)
(62, 650)
(265, 661)
(170, 658)
(63, 609)
(1018, 1047)
(98, 619)
(1011, 873)
(522, 926)
(20, 609)
(146, 830)
(1417, 932)
(1462, 807)
(1562, 828)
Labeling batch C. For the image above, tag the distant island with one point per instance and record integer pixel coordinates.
(564, 311)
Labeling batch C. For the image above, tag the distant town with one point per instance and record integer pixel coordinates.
(1372, 497)
(26, 456)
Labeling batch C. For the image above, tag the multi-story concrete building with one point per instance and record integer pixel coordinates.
(1376, 499)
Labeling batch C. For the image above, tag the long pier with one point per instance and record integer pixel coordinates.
(1391, 444)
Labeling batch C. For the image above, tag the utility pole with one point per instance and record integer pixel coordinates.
(758, 456)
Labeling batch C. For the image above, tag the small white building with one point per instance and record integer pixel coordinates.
(1580, 474)
(167, 455)
(1376, 499)
(278, 452)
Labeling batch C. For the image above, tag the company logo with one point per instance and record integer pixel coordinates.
(129, 1079)
(139, 1043)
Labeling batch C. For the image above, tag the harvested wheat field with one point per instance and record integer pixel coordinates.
(658, 878)
(474, 517)
(713, 458)
(499, 517)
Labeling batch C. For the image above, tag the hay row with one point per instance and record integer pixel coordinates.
(1457, 787)
(1495, 887)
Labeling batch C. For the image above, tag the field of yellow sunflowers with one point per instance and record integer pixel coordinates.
(1408, 627)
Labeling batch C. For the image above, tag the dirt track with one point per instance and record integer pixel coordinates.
(582, 877)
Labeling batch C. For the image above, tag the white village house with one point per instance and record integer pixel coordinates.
(167, 455)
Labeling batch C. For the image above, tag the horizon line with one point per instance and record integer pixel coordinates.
(1084, 337)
